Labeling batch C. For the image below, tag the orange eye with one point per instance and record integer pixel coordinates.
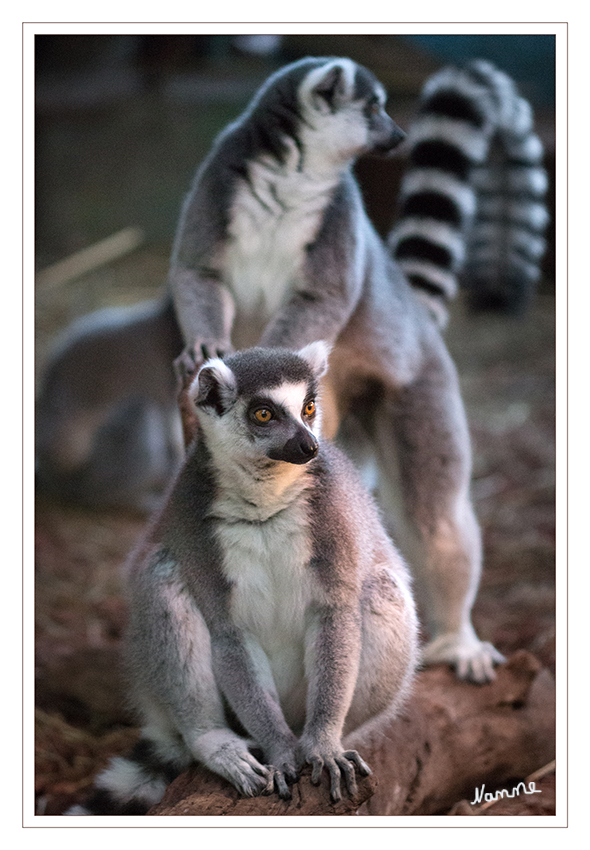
(263, 415)
(309, 408)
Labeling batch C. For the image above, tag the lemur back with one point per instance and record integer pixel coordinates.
(269, 585)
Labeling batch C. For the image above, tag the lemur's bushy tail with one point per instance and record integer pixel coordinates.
(131, 784)
(472, 205)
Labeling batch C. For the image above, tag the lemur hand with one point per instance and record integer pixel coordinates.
(192, 358)
(186, 367)
(338, 762)
(284, 771)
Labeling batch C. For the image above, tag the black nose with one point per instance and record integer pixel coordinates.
(300, 448)
(308, 446)
(388, 136)
(397, 136)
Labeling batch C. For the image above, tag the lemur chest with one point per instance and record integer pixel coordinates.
(271, 601)
(274, 216)
(267, 564)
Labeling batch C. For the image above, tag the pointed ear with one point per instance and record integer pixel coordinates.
(214, 387)
(330, 88)
(316, 356)
(331, 85)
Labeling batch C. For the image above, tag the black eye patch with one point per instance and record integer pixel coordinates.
(372, 107)
(263, 410)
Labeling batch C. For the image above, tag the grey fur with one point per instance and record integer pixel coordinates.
(107, 424)
(448, 222)
(270, 586)
(274, 246)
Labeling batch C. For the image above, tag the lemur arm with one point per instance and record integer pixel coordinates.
(331, 278)
(334, 638)
(240, 668)
(242, 673)
(332, 659)
(203, 304)
(204, 308)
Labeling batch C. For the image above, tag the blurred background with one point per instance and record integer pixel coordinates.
(121, 124)
(123, 121)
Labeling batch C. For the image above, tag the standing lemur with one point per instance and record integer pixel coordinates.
(270, 614)
(274, 247)
(472, 199)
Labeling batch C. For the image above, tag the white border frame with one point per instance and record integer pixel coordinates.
(561, 34)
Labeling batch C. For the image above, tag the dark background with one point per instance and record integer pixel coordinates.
(122, 121)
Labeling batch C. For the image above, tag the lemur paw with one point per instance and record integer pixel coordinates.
(283, 772)
(192, 358)
(243, 770)
(186, 367)
(281, 778)
(338, 762)
(471, 658)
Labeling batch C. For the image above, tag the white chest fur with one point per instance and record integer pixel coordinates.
(268, 565)
(274, 216)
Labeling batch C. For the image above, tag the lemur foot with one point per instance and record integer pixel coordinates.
(338, 762)
(471, 658)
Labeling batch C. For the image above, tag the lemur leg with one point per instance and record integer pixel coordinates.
(176, 690)
(389, 648)
(424, 455)
(120, 456)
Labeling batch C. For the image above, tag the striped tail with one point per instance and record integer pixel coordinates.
(132, 784)
(472, 208)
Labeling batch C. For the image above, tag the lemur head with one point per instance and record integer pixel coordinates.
(259, 406)
(332, 102)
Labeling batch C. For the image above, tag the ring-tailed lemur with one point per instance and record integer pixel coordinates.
(472, 202)
(107, 429)
(98, 445)
(274, 246)
(269, 585)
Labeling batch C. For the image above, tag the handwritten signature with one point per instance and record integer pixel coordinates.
(481, 794)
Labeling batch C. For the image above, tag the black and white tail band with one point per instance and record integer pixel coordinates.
(472, 202)
(131, 784)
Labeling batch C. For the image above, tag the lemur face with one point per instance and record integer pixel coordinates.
(260, 405)
(280, 422)
(344, 102)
